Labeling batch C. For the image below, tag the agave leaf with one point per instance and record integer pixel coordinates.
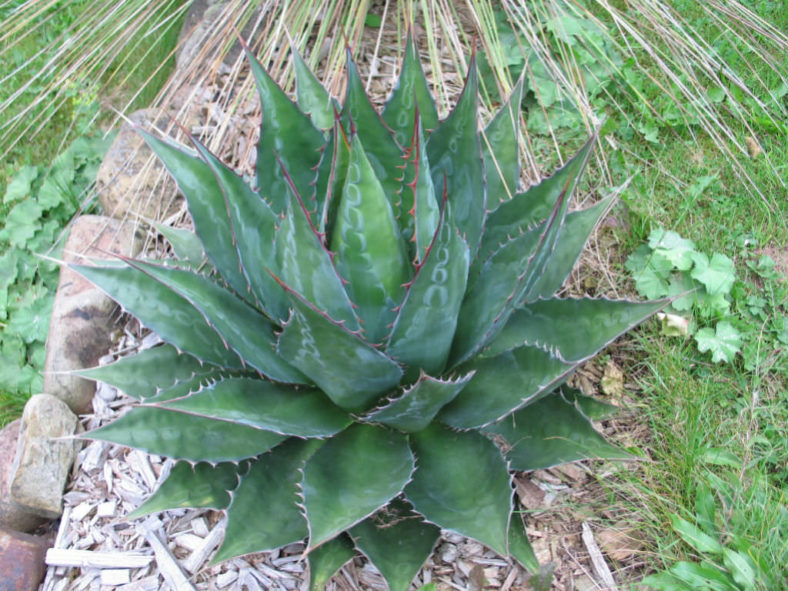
(462, 484)
(410, 95)
(420, 210)
(369, 252)
(501, 149)
(351, 476)
(159, 308)
(312, 98)
(513, 217)
(254, 227)
(195, 384)
(288, 141)
(207, 207)
(306, 265)
(327, 559)
(350, 371)
(264, 513)
(188, 485)
(185, 437)
(519, 546)
(397, 542)
(549, 432)
(510, 276)
(503, 384)
(162, 366)
(575, 328)
(268, 406)
(331, 176)
(592, 408)
(553, 227)
(489, 298)
(383, 152)
(185, 244)
(419, 403)
(455, 157)
(423, 330)
(245, 330)
(577, 227)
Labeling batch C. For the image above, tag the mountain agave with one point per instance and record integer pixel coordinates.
(373, 343)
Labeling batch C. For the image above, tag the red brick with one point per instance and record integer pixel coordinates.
(21, 561)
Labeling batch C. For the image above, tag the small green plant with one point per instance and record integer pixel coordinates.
(374, 341)
(669, 265)
(36, 206)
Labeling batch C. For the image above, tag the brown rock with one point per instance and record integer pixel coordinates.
(79, 330)
(131, 181)
(12, 515)
(44, 456)
(21, 561)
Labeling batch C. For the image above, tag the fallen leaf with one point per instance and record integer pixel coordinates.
(674, 325)
(531, 496)
(753, 147)
(613, 380)
(618, 544)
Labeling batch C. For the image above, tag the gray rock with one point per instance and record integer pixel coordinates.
(82, 316)
(199, 27)
(44, 454)
(130, 181)
(12, 515)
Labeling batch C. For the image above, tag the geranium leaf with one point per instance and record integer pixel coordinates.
(724, 341)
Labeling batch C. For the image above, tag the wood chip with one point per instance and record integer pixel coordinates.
(90, 559)
(200, 554)
(168, 566)
(597, 560)
(115, 576)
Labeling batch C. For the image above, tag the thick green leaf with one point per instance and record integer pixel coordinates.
(185, 244)
(312, 98)
(424, 328)
(418, 404)
(397, 542)
(502, 384)
(489, 298)
(185, 437)
(331, 175)
(351, 476)
(576, 229)
(268, 406)
(254, 227)
(159, 308)
(188, 485)
(549, 432)
(265, 513)
(243, 328)
(383, 152)
(326, 560)
(196, 383)
(501, 150)
(350, 371)
(510, 218)
(411, 94)
(575, 328)
(369, 252)
(306, 265)
(519, 546)
(207, 207)
(288, 142)
(594, 409)
(420, 213)
(454, 153)
(162, 367)
(462, 484)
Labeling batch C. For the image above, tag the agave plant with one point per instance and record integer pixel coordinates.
(373, 342)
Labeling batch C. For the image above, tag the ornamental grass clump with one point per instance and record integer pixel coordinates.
(373, 343)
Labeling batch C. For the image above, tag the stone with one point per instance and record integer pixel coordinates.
(200, 25)
(21, 561)
(82, 315)
(44, 454)
(131, 182)
(12, 515)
